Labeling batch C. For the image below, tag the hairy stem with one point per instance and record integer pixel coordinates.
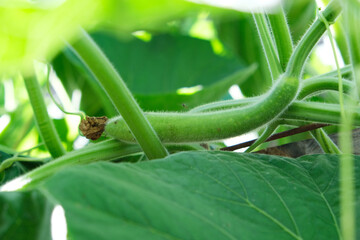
(270, 128)
(351, 20)
(311, 37)
(268, 45)
(117, 90)
(103, 151)
(282, 36)
(209, 126)
(347, 183)
(318, 112)
(315, 85)
(45, 125)
(298, 110)
(344, 71)
(325, 142)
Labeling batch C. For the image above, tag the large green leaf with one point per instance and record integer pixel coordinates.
(203, 195)
(156, 70)
(24, 215)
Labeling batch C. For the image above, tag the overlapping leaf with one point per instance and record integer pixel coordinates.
(203, 195)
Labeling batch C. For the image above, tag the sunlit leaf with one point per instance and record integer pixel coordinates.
(241, 5)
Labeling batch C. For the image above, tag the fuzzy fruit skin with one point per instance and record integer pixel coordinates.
(211, 126)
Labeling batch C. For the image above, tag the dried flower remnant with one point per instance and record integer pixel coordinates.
(93, 127)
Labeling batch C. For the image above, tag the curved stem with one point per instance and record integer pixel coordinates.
(117, 90)
(268, 45)
(282, 36)
(314, 85)
(318, 112)
(8, 162)
(227, 104)
(45, 125)
(346, 70)
(211, 126)
(104, 151)
(308, 87)
(298, 110)
(264, 136)
(80, 114)
(108, 150)
(311, 37)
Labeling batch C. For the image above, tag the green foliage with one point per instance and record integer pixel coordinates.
(25, 215)
(16, 169)
(202, 195)
(163, 70)
(42, 29)
(177, 58)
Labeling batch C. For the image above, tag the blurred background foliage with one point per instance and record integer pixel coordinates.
(173, 55)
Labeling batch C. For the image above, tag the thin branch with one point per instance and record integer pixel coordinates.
(275, 136)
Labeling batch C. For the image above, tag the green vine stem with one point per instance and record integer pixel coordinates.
(223, 105)
(117, 90)
(316, 85)
(109, 150)
(270, 128)
(318, 112)
(16, 158)
(325, 142)
(308, 87)
(320, 135)
(8, 162)
(311, 37)
(298, 110)
(298, 58)
(347, 70)
(351, 20)
(80, 114)
(104, 151)
(347, 184)
(209, 126)
(282, 36)
(45, 125)
(6, 149)
(347, 176)
(268, 45)
(303, 128)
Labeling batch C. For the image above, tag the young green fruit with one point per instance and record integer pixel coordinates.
(211, 126)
